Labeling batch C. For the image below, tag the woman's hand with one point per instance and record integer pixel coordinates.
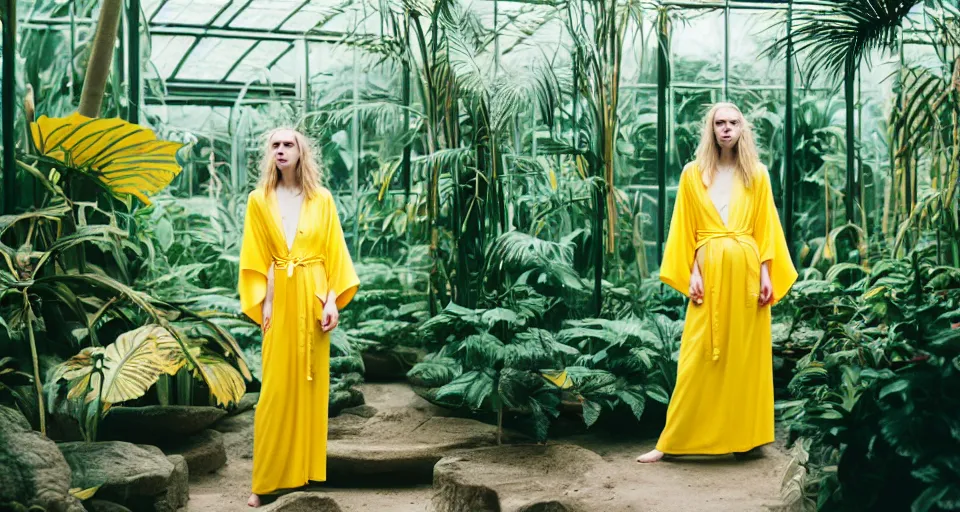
(268, 302)
(331, 315)
(766, 286)
(696, 285)
(267, 315)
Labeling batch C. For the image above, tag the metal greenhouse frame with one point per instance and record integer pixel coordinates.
(240, 23)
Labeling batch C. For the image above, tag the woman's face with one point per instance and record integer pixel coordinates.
(726, 127)
(286, 151)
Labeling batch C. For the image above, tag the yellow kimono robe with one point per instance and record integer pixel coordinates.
(290, 425)
(723, 400)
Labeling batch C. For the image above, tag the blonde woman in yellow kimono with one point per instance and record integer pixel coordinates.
(725, 251)
(295, 277)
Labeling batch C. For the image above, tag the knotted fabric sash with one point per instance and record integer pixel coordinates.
(305, 308)
(715, 254)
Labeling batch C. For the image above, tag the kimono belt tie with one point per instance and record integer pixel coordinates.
(306, 303)
(715, 253)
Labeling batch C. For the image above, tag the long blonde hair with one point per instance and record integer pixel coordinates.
(308, 170)
(708, 152)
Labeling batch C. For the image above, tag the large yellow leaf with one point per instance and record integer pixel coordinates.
(83, 494)
(126, 157)
(559, 379)
(77, 371)
(132, 364)
(225, 382)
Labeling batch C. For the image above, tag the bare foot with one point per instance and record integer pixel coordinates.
(651, 456)
(254, 501)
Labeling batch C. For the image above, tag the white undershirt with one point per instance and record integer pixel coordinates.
(290, 203)
(721, 190)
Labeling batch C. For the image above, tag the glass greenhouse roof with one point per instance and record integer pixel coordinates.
(234, 42)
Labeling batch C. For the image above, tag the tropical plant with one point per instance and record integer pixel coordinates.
(70, 276)
(91, 382)
(479, 371)
(874, 400)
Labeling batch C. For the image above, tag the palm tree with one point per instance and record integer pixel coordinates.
(837, 36)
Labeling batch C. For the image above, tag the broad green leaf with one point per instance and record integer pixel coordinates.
(635, 399)
(928, 498)
(468, 390)
(895, 387)
(435, 372)
(657, 393)
(591, 412)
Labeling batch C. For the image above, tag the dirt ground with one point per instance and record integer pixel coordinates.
(228, 490)
(675, 485)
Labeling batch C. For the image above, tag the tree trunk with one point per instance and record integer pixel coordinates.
(101, 56)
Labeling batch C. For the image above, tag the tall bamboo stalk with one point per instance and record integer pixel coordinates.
(101, 56)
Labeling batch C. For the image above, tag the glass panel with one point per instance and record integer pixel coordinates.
(309, 17)
(685, 122)
(696, 46)
(198, 119)
(265, 14)
(287, 69)
(212, 58)
(166, 52)
(230, 12)
(334, 61)
(354, 21)
(530, 32)
(751, 34)
(637, 174)
(256, 62)
(639, 63)
(876, 83)
(149, 7)
(189, 12)
(819, 164)
(765, 109)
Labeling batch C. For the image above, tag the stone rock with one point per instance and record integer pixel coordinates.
(204, 452)
(524, 478)
(32, 469)
(408, 456)
(178, 487)
(237, 435)
(248, 402)
(345, 426)
(138, 477)
(304, 502)
(401, 442)
(391, 365)
(96, 505)
(364, 411)
(237, 423)
(155, 423)
(344, 399)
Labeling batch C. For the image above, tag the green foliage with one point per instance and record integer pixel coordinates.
(387, 309)
(876, 397)
(505, 360)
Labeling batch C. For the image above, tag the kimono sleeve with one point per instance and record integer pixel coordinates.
(771, 241)
(680, 248)
(254, 261)
(341, 276)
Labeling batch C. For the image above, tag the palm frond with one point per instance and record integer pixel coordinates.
(844, 32)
